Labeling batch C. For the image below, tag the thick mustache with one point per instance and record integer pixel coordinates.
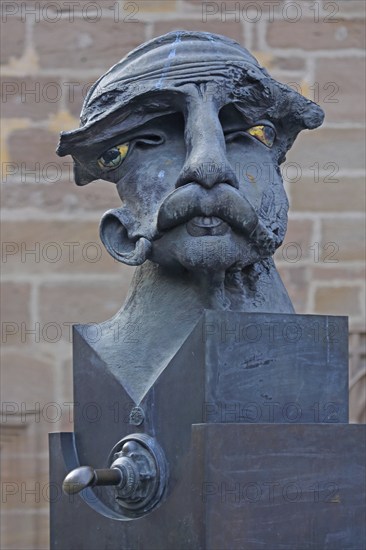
(222, 201)
(193, 200)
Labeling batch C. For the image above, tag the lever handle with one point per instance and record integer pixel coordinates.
(86, 476)
(138, 472)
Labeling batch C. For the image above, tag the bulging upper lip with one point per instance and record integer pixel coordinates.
(200, 226)
(206, 221)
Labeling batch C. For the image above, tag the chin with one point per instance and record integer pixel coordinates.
(212, 253)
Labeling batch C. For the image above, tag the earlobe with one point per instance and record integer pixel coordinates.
(115, 238)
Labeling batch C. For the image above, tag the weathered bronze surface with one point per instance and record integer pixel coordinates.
(252, 419)
(192, 131)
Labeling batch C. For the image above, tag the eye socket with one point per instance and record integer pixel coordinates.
(113, 157)
(263, 133)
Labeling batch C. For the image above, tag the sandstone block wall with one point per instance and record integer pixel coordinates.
(55, 271)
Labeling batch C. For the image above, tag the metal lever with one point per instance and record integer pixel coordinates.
(86, 476)
(138, 473)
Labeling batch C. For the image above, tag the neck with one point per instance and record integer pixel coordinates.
(162, 308)
(257, 288)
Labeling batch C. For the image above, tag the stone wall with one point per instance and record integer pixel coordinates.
(54, 269)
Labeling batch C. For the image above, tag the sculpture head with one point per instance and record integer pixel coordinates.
(192, 131)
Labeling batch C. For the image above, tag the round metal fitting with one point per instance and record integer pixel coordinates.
(142, 461)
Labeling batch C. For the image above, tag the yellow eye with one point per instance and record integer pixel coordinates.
(114, 156)
(265, 134)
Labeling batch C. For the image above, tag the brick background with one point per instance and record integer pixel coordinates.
(49, 56)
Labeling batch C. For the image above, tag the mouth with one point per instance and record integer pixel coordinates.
(192, 201)
(213, 212)
(201, 226)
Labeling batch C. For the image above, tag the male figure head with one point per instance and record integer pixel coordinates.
(192, 131)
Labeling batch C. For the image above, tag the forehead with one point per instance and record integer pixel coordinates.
(154, 78)
(222, 66)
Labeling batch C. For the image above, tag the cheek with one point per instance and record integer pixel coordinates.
(255, 169)
(150, 175)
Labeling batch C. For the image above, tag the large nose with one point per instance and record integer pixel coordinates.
(206, 162)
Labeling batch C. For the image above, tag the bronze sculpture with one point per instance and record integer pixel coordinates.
(181, 126)
(192, 131)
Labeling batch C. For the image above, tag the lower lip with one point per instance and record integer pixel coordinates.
(201, 226)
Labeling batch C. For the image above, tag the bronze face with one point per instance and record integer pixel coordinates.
(192, 132)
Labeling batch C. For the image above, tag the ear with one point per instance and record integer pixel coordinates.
(115, 238)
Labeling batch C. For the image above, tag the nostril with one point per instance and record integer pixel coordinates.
(184, 179)
(207, 174)
(191, 173)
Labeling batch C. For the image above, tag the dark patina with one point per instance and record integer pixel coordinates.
(196, 406)
(192, 132)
